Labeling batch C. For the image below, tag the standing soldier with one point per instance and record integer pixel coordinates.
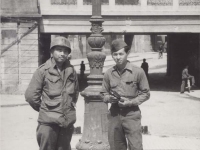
(125, 86)
(53, 92)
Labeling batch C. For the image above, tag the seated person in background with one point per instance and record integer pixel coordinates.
(185, 77)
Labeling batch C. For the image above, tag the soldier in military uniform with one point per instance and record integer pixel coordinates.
(53, 92)
(125, 86)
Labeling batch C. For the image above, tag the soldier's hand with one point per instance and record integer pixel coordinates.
(113, 99)
(110, 99)
(124, 102)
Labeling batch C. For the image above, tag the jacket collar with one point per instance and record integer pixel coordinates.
(51, 65)
(127, 67)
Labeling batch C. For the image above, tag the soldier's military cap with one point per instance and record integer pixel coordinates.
(117, 45)
(61, 41)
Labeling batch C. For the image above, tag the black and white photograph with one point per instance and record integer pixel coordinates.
(100, 75)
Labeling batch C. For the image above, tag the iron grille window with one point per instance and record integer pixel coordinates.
(64, 2)
(127, 2)
(189, 2)
(160, 2)
(89, 2)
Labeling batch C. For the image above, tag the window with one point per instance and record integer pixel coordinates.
(64, 2)
(89, 2)
(8, 36)
(127, 2)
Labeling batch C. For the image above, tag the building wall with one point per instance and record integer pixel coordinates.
(20, 60)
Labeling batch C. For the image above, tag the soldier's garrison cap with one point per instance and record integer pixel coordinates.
(117, 45)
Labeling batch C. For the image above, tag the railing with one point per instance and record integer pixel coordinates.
(130, 2)
(189, 2)
(63, 2)
(160, 2)
(121, 7)
(127, 2)
(89, 2)
(74, 2)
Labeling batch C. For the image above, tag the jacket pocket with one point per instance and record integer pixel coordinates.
(130, 87)
(54, 85)
(70, 86)
(68, 119)
(54, 102)
(113, 85)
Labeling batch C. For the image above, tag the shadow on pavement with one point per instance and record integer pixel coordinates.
(162, 82)
(157, 82)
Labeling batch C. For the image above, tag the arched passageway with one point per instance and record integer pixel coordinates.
(180, 49)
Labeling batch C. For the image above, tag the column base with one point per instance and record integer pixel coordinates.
(87, 145)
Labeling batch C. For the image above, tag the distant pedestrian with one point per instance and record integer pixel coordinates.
(53, 92)
(145, 67)
(164, 47)
(186, 76)
(82, 69)
(160, 51)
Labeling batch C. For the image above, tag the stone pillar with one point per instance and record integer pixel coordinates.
(168, 56)
(177, 55)
(95, 119)
(153, 41)
(198, 63)
(175, 5)
(128, 38)
(44, 46)
(142, 43)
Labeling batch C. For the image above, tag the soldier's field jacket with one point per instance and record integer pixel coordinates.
(54, 94)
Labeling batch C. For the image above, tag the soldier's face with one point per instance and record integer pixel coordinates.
(120, 57)
(60, 54)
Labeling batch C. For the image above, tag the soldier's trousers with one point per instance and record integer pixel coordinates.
(125, 127)
(53, 137)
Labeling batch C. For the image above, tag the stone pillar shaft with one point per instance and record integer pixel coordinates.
(95, 119)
